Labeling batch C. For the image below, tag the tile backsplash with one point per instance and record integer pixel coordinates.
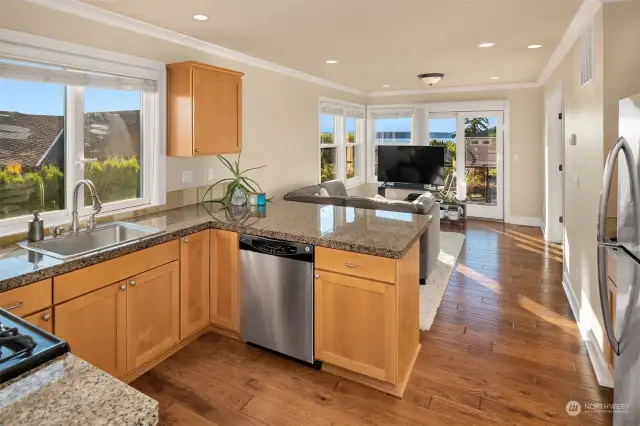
(175, 199)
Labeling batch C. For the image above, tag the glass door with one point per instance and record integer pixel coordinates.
(480, 175)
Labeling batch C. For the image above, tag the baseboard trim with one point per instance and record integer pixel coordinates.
(527, 221)
(596, 356)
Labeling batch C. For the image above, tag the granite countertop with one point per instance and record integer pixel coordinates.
(374, 232)
(70, 391)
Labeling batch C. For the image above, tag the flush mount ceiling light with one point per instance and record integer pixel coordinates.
(332, 61)
(494, 78)
(431, 78)
(487, 44)
(386, 85)
(534, 46)
(200, 17)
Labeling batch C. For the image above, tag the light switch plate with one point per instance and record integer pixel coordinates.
(210, 175)
(187, 176)
(573, 139)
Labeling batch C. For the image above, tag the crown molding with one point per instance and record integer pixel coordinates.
(94, 13)
(583, 17)
(457, 89)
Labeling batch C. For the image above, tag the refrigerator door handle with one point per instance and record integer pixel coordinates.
(609, 168)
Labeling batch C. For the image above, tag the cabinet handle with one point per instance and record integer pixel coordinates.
(46, 316)
(132, 283)
(123, 287)
(317, 276)
(14, 306)
(197, 150)
(186, 240)
(351, 265)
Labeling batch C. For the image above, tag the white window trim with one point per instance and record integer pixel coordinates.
(341, 144)
(27, 47)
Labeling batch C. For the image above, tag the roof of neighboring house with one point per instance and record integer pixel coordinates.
(25, 138)
(487, 133)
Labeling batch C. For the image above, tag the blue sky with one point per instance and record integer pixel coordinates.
(48, 98)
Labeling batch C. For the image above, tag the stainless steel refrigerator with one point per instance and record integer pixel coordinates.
(624, 335)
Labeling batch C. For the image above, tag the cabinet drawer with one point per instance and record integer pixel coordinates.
(42, 319)
(26, 300)
(356, 264)
(88, 279)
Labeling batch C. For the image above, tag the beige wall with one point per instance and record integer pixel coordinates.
(280, 116)
(527, 141)
(584, 116)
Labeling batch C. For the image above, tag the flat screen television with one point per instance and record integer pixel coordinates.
(411, 164)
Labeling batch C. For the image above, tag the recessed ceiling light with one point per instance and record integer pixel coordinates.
(332, 61)
(494, 78)
(534, 46)
(486, 44)
(386, 85)
(200, 17)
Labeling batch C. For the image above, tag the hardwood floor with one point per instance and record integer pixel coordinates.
(504, 349)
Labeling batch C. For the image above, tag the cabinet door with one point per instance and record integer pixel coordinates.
(194, 283)
(94, 325)
(153, 313)
(355, 323)
(225, 255)
(217, 112)
(42, 320)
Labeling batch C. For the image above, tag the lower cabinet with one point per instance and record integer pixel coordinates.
(355, 324)
(153, 313)
(225, 256)
(194, 283)
(95, 327)
(42, 320)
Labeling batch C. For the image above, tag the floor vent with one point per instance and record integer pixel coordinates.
(587, 56)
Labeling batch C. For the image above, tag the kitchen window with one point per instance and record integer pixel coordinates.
(389, 127)
(62, 123)
(342, 142)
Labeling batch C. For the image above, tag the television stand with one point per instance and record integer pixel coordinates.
(406, 186)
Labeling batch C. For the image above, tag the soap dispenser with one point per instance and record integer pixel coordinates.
(36, 228)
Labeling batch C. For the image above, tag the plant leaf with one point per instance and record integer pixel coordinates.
(226, 163)
(249, 184)
(245, 178)
(253, 168)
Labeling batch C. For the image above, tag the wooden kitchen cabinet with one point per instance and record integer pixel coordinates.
(42, 319)
(95, 327)
(194, 283)
(153, 313)
(25, 300)
(224, 291)
(204, 110)
(355, 324)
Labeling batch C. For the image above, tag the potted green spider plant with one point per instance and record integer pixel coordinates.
(239, 185)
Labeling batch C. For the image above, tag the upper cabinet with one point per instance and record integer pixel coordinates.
(204, 110)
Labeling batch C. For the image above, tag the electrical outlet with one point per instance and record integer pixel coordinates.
(187, 176)
(210, 175)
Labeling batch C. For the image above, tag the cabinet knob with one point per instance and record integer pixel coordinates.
(317, 276)
(186, 240)
(123, 287)
(132, 283)
(46, 316)
(197, 150)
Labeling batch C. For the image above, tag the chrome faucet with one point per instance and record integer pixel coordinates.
(96, 204)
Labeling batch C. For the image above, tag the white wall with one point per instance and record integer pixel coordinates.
(280, 113)
(527, 141)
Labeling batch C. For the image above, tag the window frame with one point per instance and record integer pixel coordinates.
(26, 47)
(340, 112)
(372, 112)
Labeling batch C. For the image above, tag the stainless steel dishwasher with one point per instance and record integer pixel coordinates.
(276, 293)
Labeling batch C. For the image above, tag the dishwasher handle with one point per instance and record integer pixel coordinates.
(278, 248)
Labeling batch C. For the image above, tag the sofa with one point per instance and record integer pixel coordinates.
(335, 193)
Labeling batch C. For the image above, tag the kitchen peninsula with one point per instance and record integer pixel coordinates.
(162, 292)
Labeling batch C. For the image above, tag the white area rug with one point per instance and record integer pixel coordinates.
(432, 292)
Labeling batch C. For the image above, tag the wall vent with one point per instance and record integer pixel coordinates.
(587, 56)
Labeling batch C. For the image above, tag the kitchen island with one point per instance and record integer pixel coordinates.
(366, 288)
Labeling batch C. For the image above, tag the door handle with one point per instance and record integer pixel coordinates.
(351, 265)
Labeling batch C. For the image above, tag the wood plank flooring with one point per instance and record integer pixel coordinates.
(504, 349)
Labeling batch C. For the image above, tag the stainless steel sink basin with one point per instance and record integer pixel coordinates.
(71, 245)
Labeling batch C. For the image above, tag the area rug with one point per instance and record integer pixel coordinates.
(432, 292)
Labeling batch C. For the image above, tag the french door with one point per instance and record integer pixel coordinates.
(474, 163)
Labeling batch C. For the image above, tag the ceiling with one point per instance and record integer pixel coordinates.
(376, 42)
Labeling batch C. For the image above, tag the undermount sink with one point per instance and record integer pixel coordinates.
(72, 245)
